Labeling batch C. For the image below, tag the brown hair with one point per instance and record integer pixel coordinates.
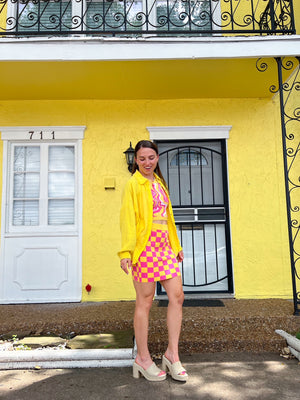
(149, 145)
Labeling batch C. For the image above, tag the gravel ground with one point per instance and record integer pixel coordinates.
(241, 325)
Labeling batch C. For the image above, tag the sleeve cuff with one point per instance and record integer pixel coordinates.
(124, 254)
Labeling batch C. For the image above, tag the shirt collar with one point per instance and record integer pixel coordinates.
(141, 179)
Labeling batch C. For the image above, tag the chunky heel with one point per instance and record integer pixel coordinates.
(164, 366)
(153, 373)
(176, 370)
(135, 371)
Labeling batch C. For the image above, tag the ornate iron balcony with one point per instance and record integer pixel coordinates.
(139, 17)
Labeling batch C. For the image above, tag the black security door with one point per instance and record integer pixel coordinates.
(196, 174)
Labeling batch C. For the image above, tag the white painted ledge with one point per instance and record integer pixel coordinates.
(146, 48)
(88, 358)
(189, 132)
(292, 341)
(48, 132)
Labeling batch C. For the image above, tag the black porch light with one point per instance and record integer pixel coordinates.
(129, 154)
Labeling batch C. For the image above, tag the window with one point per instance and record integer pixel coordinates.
(158, 15)
(109, 15)
(26, 185)
(43, 185)
(39, 16)
(188, 157)
(183, 15)
(61, 185)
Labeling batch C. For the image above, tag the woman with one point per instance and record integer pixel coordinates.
(151, 249)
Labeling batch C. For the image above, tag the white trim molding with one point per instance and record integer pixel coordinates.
(42, 132)
(146, 48)
(189, 132)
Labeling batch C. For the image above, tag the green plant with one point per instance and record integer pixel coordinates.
(17, 346)
(22, 347)
(298, 335)
(15, 338)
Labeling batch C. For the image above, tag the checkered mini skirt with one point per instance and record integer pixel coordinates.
(158, 261)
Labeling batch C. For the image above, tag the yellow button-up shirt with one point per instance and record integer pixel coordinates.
(136, 218)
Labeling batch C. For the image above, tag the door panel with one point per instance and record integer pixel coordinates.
(41, 269)
(204, 263)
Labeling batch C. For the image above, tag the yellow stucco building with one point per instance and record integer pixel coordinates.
(71, 103)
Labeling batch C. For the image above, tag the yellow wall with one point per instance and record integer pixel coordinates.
(3, 12)
(258, 208)
(296, 4)
(258, 220)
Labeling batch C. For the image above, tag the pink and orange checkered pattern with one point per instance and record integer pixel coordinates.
(157, 262)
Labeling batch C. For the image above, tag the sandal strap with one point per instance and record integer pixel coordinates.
(153, 369)
(177, 368)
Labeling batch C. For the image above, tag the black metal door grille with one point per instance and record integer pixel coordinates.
(196, 176)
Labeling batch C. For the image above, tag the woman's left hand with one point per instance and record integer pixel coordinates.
(126, 265)
(180, 256)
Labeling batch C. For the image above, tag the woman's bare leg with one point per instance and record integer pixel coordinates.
(174, 290)
(144, 297)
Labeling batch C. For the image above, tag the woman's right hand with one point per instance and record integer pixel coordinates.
(126, 265)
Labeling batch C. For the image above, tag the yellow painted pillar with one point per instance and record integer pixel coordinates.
(3, 14)
(296, 5)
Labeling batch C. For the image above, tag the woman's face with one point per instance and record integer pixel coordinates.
(147, 160)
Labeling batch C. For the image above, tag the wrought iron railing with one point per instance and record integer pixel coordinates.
(138, 17)
(276, 16)
(290, 122)
(290, 127)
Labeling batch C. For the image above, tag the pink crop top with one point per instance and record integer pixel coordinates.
(160, 202)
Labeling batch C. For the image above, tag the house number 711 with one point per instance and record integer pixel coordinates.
(41, 135)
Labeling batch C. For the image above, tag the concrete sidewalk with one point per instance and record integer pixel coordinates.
(215, 376)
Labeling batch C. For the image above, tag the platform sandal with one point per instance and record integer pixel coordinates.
(152, 373)
(176, 370)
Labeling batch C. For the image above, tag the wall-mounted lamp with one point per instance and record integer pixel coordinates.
(129, 154)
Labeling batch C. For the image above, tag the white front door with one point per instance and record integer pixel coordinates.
(41, 220)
